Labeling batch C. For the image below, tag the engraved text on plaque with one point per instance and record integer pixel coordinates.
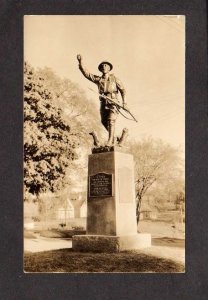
(100, 185)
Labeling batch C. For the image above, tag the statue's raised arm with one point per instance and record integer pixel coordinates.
(109, 88)
(79, 57)
(85, 72)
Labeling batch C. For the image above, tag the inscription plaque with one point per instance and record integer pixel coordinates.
(100, 185)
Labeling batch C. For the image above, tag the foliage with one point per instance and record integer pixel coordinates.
(83, 116)
(155, 162)
(164, 193)
(76, 106)
(49, 143)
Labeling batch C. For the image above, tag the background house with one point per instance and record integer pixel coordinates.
(67, 210)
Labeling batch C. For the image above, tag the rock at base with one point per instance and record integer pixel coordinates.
(110, 244)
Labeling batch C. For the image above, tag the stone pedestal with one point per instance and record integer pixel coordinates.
(111, 208)
(110, 244)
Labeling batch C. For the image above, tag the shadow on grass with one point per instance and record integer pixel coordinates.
(66, 260)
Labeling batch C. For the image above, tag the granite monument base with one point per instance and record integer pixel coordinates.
(111, 207)
(110, 244)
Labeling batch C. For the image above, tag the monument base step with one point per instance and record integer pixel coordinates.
(110, 244)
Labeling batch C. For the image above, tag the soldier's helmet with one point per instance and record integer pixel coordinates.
(105, 62)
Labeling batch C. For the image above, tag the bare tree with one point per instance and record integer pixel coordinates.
(154, 161)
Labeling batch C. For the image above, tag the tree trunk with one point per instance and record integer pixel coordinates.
(138, 206)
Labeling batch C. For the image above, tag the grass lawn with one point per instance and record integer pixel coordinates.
(66, 260)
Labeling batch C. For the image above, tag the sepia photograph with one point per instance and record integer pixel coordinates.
(104, 144)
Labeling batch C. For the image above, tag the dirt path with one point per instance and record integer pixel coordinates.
(174, 253)
(40, 244)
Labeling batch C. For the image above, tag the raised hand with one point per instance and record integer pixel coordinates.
(79, 57)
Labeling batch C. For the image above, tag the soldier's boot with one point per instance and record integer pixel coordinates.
(111, 131)
(95, 139)
(123, 137)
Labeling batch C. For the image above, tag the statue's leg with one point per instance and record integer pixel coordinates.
(105, 123)
(111, 132)
(111, 127)
(104, 117)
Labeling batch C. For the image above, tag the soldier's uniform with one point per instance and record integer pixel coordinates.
(109, 86)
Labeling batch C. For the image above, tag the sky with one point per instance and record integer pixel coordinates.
(147, 53)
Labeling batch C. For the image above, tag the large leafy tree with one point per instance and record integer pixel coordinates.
(155, 162)
(81, 111)
(49, 142)
(83, 114)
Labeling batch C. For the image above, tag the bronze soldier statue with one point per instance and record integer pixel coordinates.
(108, 86)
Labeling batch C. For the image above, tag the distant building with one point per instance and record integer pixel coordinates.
(148, 215)
(83, 210)
(68, 209)
(31, 213)
(148, 212)
(65, 212)
(30, 210)
(78, 201)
